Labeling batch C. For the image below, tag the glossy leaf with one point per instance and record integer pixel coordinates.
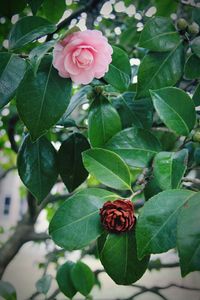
(76, 223)
(54, 9)
(159, 34)
(12, 69)
(38, 52)
(64, 280)
(10, 7)
(108, 168)
(175, 108)
(169, 168)
(134, 113)
(48, 103)
(36, 165)
(157, 222)
(195, 45)
(192, 70)
(188, 235)
(103, 122)
(159, 70)
(43, 284)
(70, 163)
(119, 71)
(118, 254)
(196, 96)
(7, 291)
(28, 29)
(83, 278)
(78, 98)
(135, 146)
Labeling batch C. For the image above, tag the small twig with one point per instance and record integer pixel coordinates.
(11, 132)
(5, 173)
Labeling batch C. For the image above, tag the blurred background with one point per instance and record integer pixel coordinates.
(32, 258)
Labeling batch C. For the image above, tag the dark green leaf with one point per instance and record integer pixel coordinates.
(43, 284)
(38, 52)
(64, 280)
(7, 291)
(77, 223)
(103, 122)
(175, 108)
(129, 38)
(35, 5)
(188, 235)
(159, 34)
(159, 70)
(196, 96)
(118, 254)
(83, 278)
(70, 163)
(77, 99)
(196, 14)
(135, 146)
(134, 113)
(12, 69)
(10, 7)
(156, 226)
(119, 71)
(54, 9)
(192, 70)
(195, 45)
(108, 168)
(48, 94)
(169, 168)
(165, 8)
(28, 29)
(37, 166)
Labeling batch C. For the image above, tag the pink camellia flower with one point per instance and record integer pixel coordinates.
(82, 56)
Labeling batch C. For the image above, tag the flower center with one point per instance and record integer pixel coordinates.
(82, 57)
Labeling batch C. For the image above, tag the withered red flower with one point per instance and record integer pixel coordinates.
(118, 216)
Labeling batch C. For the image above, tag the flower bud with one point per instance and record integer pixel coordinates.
(196, 136)
(182, 24)
(118, 216)
(193, 29)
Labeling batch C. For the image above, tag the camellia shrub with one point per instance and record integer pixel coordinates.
(129, 160)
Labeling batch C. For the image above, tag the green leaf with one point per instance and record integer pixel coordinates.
(156, 226)
(64, 280)
(136, 146)
(159, 34)
(103, 122)
(43, 284)
(119, 71)
(54, 9)
(129, 37)
(134, 113)
(159, 70)
(196, 96)
(36, 165)
(48, 94)
(38, 52)
(195, 46)
(77, 223)
(28, 29)
(188, 235)
(118, 255)
(192, 70)
(12, 69)
(165, 8)
(169, 168)
(108, 168)
(35, 5)
(7, 291)
(70, 163)
(11, 7)
(175, 108)
(83, 278)
(78, 98)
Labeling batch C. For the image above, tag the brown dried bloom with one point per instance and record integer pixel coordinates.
(118, 216)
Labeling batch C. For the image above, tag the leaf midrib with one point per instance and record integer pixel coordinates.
(157, 36)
